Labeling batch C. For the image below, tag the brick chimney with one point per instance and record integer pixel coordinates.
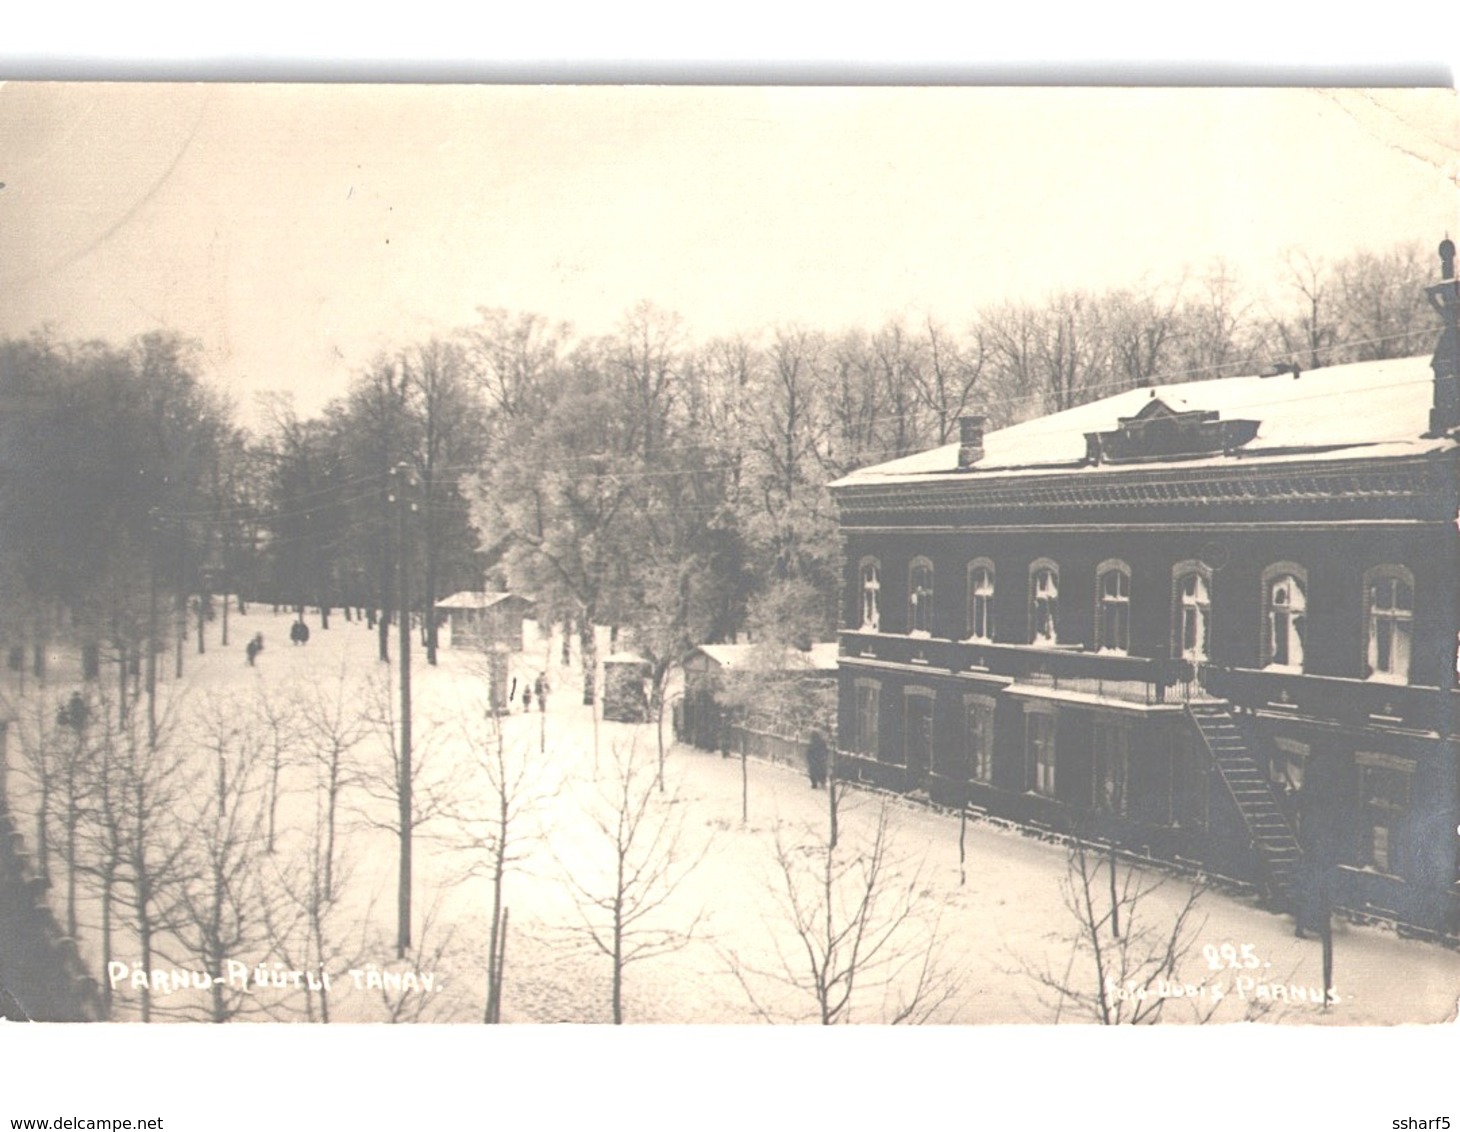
(1445, 298)
(970, 439)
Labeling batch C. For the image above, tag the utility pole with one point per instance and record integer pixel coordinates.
(182, 592)
(151, 638)
(402, 494)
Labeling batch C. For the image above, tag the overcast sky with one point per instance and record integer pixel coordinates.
(295, 231)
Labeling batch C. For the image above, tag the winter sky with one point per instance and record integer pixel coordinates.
(295, 231)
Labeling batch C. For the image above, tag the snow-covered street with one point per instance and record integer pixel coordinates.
(724, 905)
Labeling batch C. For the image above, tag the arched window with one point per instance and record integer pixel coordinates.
(1389, 621)
(1044, 600)
(920, 597)
(1192, 610)
(981, 600)
(871, 595)
(1285, 620)
(1112, 596)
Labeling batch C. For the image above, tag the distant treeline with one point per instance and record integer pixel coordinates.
(639, 477)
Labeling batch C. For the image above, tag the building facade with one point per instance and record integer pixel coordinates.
(1213, 622)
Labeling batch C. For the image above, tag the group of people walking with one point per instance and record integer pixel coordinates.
(298, 635)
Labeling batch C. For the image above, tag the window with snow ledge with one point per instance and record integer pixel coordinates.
(1112, 600)
(1285, 617)
(871, 595)
(1044, 595)
(920, 598)
(981, 600)
(1191, 599)
(1388, 623)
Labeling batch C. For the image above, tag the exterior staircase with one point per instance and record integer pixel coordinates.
(1270, 834)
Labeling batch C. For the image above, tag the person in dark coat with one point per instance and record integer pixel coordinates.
(817, 757)
(299, 633)
(74, 713)
(254, 647)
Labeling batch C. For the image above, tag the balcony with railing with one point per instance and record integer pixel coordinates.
(1062, 671)
(1350, 702)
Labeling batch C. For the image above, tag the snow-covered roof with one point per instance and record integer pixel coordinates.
(1369, 409)
(821, 657)
(469, 599)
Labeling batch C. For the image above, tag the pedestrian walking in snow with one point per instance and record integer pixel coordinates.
(299, 633)
(254, 647)
(817, 757)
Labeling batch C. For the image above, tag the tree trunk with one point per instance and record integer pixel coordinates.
(833, 794)
(588, 653)
(963, 843)
(1114, 896)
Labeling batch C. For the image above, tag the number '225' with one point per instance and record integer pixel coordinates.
(1229, 957)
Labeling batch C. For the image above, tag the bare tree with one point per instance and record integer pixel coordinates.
(1308, 336)
(1141, 326)
(281, 731)
(501, 830)
(139, 840)
(856, 940)
(42, 760)
(1380, 305)
(433, 783)
(331, 728)
(303, 927)
(223, 900)
(624, 894)
(1116, 977)
(947, 384)
(402, 992)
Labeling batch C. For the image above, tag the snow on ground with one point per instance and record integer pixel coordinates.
(1007, 920)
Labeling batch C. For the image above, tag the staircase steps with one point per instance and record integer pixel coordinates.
(1267, 826)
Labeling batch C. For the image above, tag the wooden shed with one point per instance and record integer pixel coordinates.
(625, 688)
(485, 620)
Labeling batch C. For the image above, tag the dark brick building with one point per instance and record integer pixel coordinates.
(1213, 621)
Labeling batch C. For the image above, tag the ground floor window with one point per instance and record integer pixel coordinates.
(1111, 748)
(917, 730)
(1385, 793)
(1287, 766)
(869, 695)
(978, 724)
(1041, 735)
(1190, 783)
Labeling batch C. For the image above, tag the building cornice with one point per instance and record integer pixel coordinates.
(1409, 487)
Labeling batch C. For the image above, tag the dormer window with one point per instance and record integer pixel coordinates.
(1159, 432)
